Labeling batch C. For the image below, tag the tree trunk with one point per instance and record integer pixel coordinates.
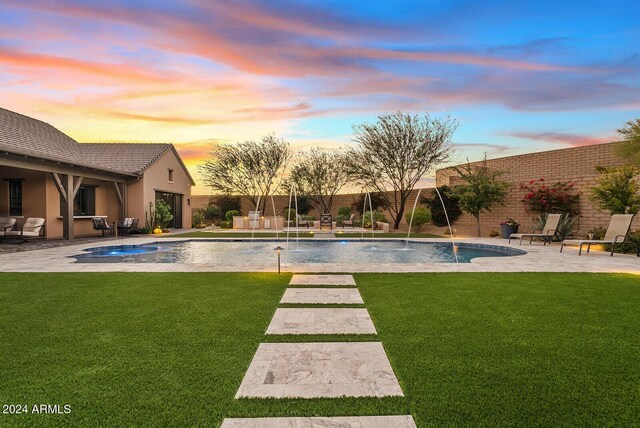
(478, 225)
(403, 202)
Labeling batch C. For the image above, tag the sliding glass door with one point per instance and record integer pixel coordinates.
(174, 200)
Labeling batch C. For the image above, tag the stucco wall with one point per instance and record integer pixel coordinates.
(574, 164)
(156, 178)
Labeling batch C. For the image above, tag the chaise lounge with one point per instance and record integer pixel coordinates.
(546, 234)
(617, 233)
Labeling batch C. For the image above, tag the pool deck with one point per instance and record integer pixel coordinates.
(539, 258)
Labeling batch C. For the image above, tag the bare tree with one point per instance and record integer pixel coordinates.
(320, 175)
(394, 153)
(253, 169)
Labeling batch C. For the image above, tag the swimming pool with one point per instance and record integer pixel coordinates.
(261, 252)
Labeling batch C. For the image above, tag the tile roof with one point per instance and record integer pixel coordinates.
(27, 136)
(128, 157)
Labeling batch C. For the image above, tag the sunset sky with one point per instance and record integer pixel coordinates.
(519, 76)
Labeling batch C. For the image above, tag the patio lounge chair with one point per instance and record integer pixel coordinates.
(128, 225)
(349, 222)
(546, 234)
(101, 224)
(617, 233)
(6, 224)
(31, 228)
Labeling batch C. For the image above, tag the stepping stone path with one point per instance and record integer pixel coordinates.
(342, 296)
(318, 422)
(320, 369)
(321, 321)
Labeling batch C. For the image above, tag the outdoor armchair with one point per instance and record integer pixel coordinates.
(349, 222)
(31, 228)
(6, 224)
(546, 234)
(101, 224)
(617, 233)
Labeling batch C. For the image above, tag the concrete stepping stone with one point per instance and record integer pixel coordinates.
(316, 370)
(322, 422)
(322, 280)
(321, 321)
(322, 296)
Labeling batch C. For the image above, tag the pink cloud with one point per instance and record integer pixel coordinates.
(573, 140)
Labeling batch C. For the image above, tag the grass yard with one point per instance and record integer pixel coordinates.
(468, 349)
(388, 235)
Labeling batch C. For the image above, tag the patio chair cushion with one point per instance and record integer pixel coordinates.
(31, 228)
(6, 224)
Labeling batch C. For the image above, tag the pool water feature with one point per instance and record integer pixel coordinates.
(260, 253)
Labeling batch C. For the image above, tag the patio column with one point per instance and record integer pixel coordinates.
(68, 190)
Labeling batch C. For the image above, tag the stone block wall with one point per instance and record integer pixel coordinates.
(576, 164)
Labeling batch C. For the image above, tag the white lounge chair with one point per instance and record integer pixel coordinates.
(546, 234)
(6, 224)
(30, 229)
(349, 222)
(617, 233)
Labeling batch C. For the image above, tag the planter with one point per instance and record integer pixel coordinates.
(508, 229)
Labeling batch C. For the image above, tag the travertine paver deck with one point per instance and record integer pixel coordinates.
(322, 422)
(315, 370)
(322, 296)
(321, 321)
(322, 280)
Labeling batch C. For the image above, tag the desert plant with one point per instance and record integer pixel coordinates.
(163, 214)
(451, 203)
(377, 202)
(212, 212)
(482, 189)
(566, 225)
(629, 149)
(396, 152)
(289, 214)
(226, 203)
(253, 169)
(378, 216)
(197, 218)
(552, 198)
(421, 216)
(616, 190)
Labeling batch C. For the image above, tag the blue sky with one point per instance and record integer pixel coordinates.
(519, 76)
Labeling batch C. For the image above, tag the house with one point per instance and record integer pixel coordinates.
(45, 173)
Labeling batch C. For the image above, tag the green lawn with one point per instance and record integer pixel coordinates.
(388, 235)
(200, 234)
(170, 349)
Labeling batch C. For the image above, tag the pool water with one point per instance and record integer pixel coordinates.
(261, 253)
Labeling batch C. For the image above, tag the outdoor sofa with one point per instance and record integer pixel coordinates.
(31, 228)
(6, 224)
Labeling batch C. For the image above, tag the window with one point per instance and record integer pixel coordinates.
(84, 203)
(171, 176)
(15, 198)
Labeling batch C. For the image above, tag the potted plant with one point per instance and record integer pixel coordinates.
(508, 227)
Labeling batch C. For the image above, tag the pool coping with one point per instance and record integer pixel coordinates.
(538, 258)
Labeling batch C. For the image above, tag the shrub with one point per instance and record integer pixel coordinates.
(289, 214)
(552, 198)
(226, 203)
(493, 234)
(197, 219)
(451, 203)
(565, 229)
(226, 224)
(377, 201)
(421, 216)
(163, 214)
(304, 204)
(212, 212)
(377, 216)
(344, 213)
(616, 190)
(230, 214)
